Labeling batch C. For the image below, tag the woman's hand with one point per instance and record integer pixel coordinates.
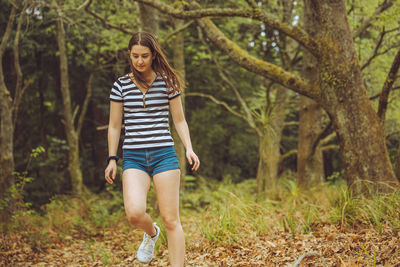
(193, 160)
(111, 169)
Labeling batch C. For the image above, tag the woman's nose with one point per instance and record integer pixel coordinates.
(140, 60)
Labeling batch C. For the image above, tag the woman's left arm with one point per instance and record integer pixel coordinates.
(175, 106)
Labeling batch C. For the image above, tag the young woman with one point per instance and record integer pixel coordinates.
(144, 98)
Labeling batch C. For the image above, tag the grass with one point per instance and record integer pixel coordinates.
(225, 213)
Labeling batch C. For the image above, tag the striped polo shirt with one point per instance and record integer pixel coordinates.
(145, 115)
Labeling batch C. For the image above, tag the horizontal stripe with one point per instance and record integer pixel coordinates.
(115, 94)
(150, 135)
(155, 110)
(144, 146)
(148, 98)
(116, 100)
(174, 96)
(147, 142)
(144, 127)
(128, 123)
(148, 105)
(134, 115)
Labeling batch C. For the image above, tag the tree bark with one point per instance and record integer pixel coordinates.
(343, 95)
(398, 161)
(269, 139)
(179, 64)
(74, 167)
(270, 133)
(6, 127)
(310, 168)
(387, 87)
(310, 164)
(149, 19)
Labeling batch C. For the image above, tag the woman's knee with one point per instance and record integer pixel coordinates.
(171, 222)
(135, 215)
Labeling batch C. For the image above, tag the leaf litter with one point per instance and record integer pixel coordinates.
(328, 245)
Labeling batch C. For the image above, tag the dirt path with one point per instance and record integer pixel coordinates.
(329, 246)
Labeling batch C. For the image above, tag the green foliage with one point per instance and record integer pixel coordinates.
(227, 146)
(13, 199)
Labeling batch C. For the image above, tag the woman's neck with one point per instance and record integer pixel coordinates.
(149, 76)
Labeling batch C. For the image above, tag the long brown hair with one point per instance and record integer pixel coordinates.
(160, 64)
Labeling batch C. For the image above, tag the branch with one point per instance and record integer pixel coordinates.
(252, 3)
(328, 138)
(17, 101)
(7, 32)
(288, 154)
(375, 54)
(19, 79)
(103, 20)
(76, 109)
(320, 135)
(308, 254)
(366, 23)
(390, 79)
(5, 97)
(263, 68)
(176, 31)
(227, 80)
(291, 123)
(295, 151)
(295, 32)
(85, 104)
(379, 94)
(216, 101)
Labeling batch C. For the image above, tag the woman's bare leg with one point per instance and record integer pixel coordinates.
(135, 185)
(167, 189)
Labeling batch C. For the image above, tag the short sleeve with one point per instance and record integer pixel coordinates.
(173, 94)
(116, 92)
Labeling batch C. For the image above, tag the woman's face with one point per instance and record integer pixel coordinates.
(141, 58)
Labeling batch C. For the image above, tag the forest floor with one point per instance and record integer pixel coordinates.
(328, 245)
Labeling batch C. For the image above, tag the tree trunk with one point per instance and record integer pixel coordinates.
(179, 64)
(6, 128)
(398, 161)
(343, 95)
(269, 139)
(74, 167)
(310, 164)
(267, 170)
(149, 19)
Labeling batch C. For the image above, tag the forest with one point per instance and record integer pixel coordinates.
(293, 109)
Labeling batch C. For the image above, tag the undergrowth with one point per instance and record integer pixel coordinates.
(224, 212)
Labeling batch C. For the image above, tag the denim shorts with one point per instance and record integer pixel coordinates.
(150, 160)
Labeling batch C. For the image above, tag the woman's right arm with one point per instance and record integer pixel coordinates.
(114, 132)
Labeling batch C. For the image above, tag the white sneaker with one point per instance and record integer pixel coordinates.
(146, 250)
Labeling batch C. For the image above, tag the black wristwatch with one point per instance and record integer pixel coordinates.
(112, 157)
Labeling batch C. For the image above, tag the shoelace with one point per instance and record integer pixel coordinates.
(148, 243)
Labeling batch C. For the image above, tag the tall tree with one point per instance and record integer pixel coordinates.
(310, 166)
(339, 89)
(72, 133)
(9, 105)
(6, 126)
(179, 64)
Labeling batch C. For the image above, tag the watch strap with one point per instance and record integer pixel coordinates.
(112, 157)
